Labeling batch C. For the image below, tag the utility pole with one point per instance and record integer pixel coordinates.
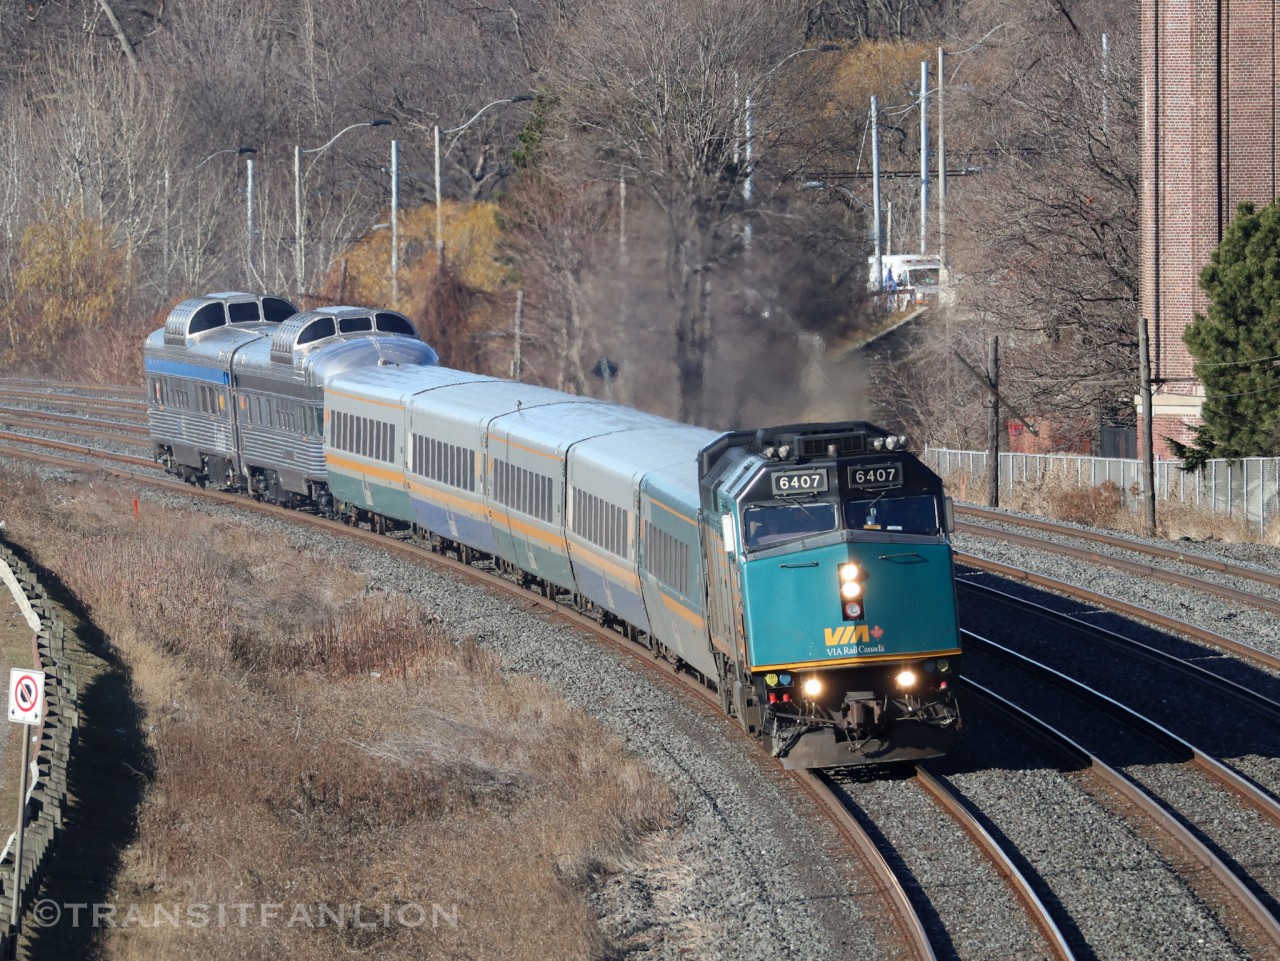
(875, 191)
(248, 203)
(515, 350)
(622, 218)
(439, 215)
(1145, 433)
(942, 171)
(924, 157)
(993, 425)
(1106, 83)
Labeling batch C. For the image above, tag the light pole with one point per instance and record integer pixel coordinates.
(248, 205)
(395, 223)
(875, 190)
(299, 241)
(748, 133)
(248, 154)
(518, 98)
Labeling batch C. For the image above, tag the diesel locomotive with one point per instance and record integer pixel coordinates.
(804, 571)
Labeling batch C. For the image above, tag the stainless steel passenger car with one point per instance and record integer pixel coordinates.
(279, 387)
(571, 493)
(188, 367)
(236, 388)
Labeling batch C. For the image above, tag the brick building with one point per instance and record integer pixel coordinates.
(1211, 98)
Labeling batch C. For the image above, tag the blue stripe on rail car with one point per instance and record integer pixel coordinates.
(176, 368)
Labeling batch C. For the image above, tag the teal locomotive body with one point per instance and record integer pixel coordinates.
(831, 594)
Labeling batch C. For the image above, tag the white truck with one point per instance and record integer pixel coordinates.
(912, 280)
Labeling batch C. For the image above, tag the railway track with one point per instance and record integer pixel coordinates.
(1129, 734)
(137, 408)
(903, 933)
(905, 919)
(1233, 894)
(1140, 548)
(72, 424)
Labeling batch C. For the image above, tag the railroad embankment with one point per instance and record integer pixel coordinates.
(82, 792)
(314, 766)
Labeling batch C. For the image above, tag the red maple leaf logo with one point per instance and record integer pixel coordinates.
(877, 632)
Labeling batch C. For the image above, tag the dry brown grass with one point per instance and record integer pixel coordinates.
(316, 744)
(1109, 506)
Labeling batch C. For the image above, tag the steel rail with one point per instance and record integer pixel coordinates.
(70, 400)
(1268, 604)
(72, 448)
(1265, 922)
(909, 929)
(20, 383)
(17, 416)
(1015, 879)
(97, 433)
(1131, 646)
(1114, 540)
(1211, 638)
(1250, 794)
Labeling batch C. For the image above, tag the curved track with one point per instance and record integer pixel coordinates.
(903, 933)
(901, 924)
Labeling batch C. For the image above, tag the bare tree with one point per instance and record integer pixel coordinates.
(878, 19)
(681, 101)
(1050, 229)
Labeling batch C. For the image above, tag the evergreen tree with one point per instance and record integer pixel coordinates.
(1237, 345)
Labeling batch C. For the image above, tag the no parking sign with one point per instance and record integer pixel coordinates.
(26, 696)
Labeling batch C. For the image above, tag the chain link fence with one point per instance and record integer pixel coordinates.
(1245, 490)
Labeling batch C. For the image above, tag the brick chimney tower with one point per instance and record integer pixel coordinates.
(1211, 105)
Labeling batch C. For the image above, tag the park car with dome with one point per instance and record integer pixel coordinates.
(804, 571)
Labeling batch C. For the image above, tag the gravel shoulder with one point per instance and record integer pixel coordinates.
(747, 872)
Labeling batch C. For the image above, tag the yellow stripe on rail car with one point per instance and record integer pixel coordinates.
(684, 612)
(358, 467)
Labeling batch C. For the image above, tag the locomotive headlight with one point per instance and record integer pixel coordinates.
(812, 687)
(906, 679)
(850, 590)
(891, 443)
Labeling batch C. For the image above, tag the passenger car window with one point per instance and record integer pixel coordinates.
(316, 330)
(207, 318)
(243, 311)
(395, 324)
(276, 310)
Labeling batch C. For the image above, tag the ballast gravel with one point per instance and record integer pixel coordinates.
(746, 873)
(749, 873)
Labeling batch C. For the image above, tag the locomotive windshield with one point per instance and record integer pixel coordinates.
(914, 514)
(769, 526)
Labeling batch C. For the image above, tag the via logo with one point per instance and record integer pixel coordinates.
(852, 634)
